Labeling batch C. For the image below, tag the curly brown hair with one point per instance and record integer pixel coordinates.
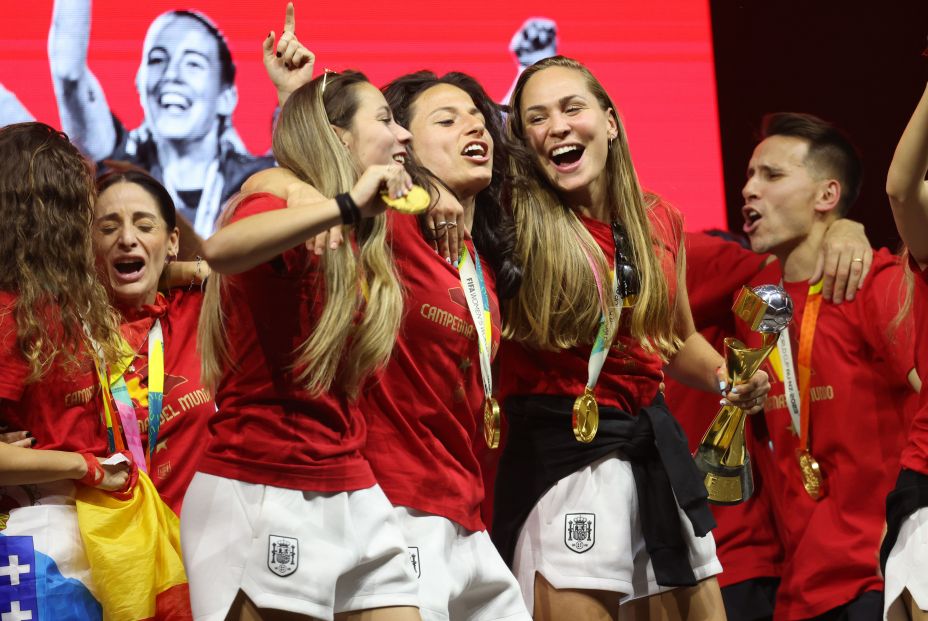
(46, 252)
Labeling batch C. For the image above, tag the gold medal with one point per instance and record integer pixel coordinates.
(416, 201)
(811, 474)
(491, 422)
(585, 419)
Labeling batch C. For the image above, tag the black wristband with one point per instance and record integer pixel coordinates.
(348, 208)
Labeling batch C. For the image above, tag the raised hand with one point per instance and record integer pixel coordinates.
(289, 64)
(391, 178)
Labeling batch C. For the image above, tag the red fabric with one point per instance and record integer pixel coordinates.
(746, 539)
(859, 393)
(915, 454)
(187, 404)
(62, 410)
(268, 430)
(630, 376)
(426, 412)
(173, 604)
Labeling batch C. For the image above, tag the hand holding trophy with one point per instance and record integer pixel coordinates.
(722, 455)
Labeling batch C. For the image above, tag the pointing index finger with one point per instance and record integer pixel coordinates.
(290, 20)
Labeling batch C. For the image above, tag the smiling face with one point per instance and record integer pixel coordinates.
(132, 242)
(781, 195)
(374, 137)
(569, 132)
(180, 82)
(451, 140)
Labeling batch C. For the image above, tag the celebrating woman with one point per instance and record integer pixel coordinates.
(903, 554)
(602, 311)
(158, 380)
(56, 329)
(284, 513)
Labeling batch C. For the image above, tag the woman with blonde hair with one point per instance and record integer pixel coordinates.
(283, 518)
(904, 549)
(591, 518)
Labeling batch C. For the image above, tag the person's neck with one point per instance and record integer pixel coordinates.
(185, 162)
(591, 203)
(469, 203)
(135, 304)
(799, 260)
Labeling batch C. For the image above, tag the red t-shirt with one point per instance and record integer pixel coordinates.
(746, 539)
(630, 376)
(62, 410)
(268, 430)
(426, 410)
(859, 392)
(915, 454)
(187, 405)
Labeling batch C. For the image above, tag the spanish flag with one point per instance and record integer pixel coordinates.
(132, 543)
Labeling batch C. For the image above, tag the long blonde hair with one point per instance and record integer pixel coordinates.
(558, 305)
(46, 251)
(340, 351)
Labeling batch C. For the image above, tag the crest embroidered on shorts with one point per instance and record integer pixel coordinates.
(414, 559)
(580, 531)
(283, 555)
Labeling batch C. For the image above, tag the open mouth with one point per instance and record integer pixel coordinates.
(476, 151)
(751, 218)
(174, 102)
(564, 157)
(399, 158)
(129, 267)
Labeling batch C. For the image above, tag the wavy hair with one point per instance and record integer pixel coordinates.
(340, 351)
(46, 206)
(558, 305)
(494, 228)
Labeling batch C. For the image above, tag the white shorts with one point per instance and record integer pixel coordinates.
(314, 554)
(585, 533)
(461, 575)
(907, 567)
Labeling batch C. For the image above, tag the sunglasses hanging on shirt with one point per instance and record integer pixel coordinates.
(628, 285)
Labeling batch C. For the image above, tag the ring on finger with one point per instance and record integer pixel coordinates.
(451, 225)
(857, 260)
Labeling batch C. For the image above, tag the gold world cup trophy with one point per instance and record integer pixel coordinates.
(721, 455)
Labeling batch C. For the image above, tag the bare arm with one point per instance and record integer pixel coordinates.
(844, 262)
(906, 185)
(24, 466)
(698, 365)
(85, 114)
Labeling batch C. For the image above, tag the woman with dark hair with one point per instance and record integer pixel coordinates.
(157, 388)
(284, 518)
(55, 326)
(435, 397)
(593, 512)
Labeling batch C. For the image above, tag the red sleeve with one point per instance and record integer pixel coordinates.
(883, 294)
(715, 270)
(293, 260)
(13, 368)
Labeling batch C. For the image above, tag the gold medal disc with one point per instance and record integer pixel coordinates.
(491, 422)
(585, 419)
(812, 479)
(416, 201)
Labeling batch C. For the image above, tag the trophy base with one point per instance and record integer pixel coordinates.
(726, 485)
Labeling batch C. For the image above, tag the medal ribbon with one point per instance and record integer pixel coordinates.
(798, 385)
(124, 405)
(478, 301)
(603, 341)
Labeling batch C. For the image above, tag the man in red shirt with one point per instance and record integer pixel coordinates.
(832, 421)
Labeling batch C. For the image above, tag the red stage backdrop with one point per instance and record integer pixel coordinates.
(654, 58)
